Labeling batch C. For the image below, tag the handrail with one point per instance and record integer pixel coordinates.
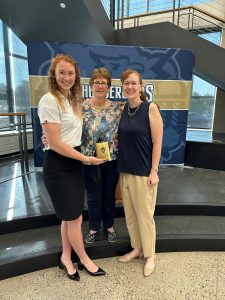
(202, 18)
(21, 124)
(177, 9)
(149, 14)
(13, 114)
(207, 13)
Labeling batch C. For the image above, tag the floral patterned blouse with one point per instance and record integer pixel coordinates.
(100, 124)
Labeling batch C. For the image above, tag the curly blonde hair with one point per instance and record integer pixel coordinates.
(75, 92)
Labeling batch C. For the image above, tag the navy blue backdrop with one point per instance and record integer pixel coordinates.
(167, 71)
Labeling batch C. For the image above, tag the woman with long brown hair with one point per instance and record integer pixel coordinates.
(61, 119)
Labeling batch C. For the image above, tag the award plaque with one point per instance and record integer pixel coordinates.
(102, 150)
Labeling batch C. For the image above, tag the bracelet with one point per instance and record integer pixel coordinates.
(156, 169)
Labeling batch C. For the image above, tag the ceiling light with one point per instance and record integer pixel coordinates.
(62, 4)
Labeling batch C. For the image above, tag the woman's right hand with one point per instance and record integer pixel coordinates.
(95, 161)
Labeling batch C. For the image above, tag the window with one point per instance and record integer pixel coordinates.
(20, 86)
(14, 76)
(202, 103)
(16, 45)
(135, 7)
(156, 5)
(3, 83)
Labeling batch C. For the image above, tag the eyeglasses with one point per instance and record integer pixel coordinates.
(102, 83)
(132, 83)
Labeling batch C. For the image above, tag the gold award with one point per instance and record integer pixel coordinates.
(102, 150)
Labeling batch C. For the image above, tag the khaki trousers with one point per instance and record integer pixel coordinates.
(139, 205)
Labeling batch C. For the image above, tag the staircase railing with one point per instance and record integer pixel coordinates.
(205, 17)
(199, 20)
(190, 18)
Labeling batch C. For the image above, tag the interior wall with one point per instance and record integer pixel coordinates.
(219, 116)
(9, 142)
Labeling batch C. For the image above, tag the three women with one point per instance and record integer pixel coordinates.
(140, 141)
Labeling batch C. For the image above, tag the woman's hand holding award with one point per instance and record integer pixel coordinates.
(102, 149)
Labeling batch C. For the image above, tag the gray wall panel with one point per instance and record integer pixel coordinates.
(101, 21)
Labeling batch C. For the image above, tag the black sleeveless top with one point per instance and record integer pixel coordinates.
(135, 141)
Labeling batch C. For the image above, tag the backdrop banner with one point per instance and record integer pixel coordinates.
(167, 79)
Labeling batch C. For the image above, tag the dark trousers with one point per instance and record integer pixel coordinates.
(100, 184)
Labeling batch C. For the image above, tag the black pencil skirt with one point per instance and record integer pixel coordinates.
(64, 181)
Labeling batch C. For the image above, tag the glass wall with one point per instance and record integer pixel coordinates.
(135, 7)
(20, 85)
(3, 84)
(202, 104)
(158, 5)
(14, 76)
(17, 47)
(106, 5)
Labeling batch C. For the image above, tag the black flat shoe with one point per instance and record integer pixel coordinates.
(99, 272)
(74, 276)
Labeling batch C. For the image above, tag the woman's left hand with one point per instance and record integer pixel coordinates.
(153, 178)
(44, 139)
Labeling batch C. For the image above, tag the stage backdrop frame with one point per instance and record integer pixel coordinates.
(167, 78)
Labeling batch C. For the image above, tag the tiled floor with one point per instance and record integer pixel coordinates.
(178, 276)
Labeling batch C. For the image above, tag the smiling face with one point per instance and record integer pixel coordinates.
(100, 87)
(132, 87)
(65, 76)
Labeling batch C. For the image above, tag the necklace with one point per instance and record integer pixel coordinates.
(134, 112)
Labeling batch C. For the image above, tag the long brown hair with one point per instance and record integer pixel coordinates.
(75, 91)
(126, 74)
